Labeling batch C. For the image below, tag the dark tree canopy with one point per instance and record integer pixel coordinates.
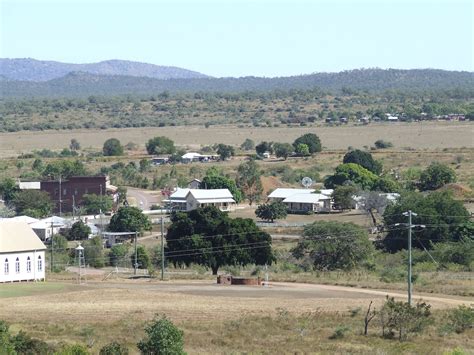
(215, 180)
(271, 211)
(225, 151)
(283, 150)
(79, 231)
(444, 217)
(364, 159)
(94, 204)
(342, 196)
(435, 176)
(352, 174)
(209, 237)
(335, 245)
(112, 147)
(160, 145)
(129, 219)
(248, 144)
(311, 140)
(33, 203)
(264, 147)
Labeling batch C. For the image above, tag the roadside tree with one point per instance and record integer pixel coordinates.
(94, 204)
(225, 151)
(216, 240)
(283, 150)
(129, 219)
(335, 245)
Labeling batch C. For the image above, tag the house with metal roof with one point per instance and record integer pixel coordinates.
(191, 199)
(22, 254)
(305, 202)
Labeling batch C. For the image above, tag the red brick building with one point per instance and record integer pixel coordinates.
(73, 189)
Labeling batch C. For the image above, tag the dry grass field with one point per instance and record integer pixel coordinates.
(216, 319)
(418, 136)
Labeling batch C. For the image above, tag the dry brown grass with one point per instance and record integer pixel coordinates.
(431, 135)
(215, 319)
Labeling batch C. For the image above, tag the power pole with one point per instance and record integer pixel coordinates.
(162, 249)
(52, 244)
(60, 198)
(410, 226)
(136, 264)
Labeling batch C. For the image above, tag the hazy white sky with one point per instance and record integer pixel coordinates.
(238, 38)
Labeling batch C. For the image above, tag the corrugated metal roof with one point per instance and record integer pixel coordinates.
(18, 236)
(284, 193)
(179, 194)
(29, 185)
(216, 200)
(199, 194)
(306, 198)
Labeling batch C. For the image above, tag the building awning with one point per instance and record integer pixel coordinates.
(217, 200)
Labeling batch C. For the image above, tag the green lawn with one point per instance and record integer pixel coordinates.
(33, 288)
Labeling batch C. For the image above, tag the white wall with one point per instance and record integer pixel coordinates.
(24, 275)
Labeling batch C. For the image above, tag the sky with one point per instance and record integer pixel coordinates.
(241, 38)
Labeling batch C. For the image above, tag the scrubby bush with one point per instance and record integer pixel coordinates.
(113, 348)
(162, 338)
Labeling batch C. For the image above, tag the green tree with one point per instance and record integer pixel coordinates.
(8, 188)
(117, 254)
(6, 346)
(225, 151)
(264, 147)
(248, 144)
(302, 149)
(143, 259)
(145, 165)
(335, 245)
(435, 176)
(214, 180)
(248, 180)
(162, 338)
(129, 219)
(283, 150)
(311, 140)
(74, 145)
(364, 159)
(114, 348)
(64, 168)
(386, 184)
(94, 252)
(342, 197)
(34, 203)
(37, 165)
(381, 144)
(216, 240)
(112, 147)
(160, 145)
(79, 231)
(351, 174)
(271, 211)
(445, 218)
(94, 204)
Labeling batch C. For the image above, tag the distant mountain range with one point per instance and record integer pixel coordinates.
(41, 70)
(123, 78)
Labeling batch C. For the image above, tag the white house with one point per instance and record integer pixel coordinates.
(191, 199)
(193, 156)
(303, 200)
(279, 194)
(44, 228)
(308, 203)
(22, 254)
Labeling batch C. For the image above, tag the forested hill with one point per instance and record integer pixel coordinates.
(27, 69)
(370, 80)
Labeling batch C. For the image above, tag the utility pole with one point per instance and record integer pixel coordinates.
(60, 198)
(136, 263)
(162, 249)
(52, 244)
(410, 226)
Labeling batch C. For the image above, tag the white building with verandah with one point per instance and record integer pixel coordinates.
(191, 199)
(22, 254)
(303, 200)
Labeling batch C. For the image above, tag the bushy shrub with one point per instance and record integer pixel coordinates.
(113, 348)
(162, 337)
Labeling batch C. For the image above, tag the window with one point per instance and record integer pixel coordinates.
(64, 192)
(6, 267)
(28, 264)
(17, 265)
(40, 263)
